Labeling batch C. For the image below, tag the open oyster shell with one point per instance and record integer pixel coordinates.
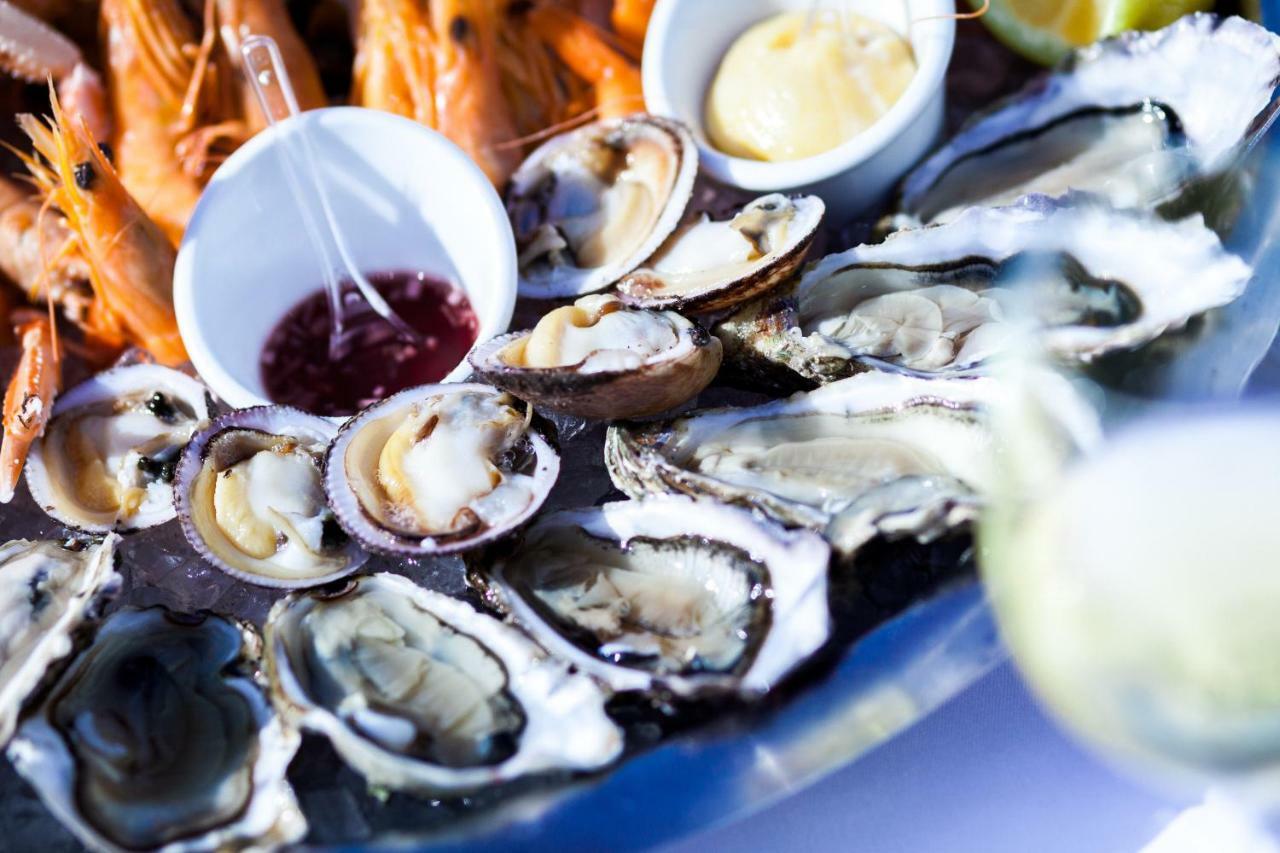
(438, 469)
(421, 692)
(249, 492)
(864, 441)
(589, 206)
(669, 593)
(1134, 119)
(709, 265)
(46, 593)
(107, 458)
(944, 299)
(599, 359)
(158, 737)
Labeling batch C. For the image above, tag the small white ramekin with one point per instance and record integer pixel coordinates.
(405, 198)
(687, 39)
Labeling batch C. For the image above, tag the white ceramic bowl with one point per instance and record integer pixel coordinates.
(683, 48)
(405, 197)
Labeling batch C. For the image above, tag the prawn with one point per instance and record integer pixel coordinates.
(28, 400)
(586, 50)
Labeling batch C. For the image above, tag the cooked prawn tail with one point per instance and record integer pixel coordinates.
(28, 400)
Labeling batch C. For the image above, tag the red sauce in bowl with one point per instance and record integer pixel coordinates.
(295, 364)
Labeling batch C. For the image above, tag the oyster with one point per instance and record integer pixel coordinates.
(250, 494)
(689, 596)
(438, 469)
(421, 692)
(1135, 119)
(107, 458)
(709, 265)
(589, 206)
(861, 441)
(943, 299)
(46, 592)
(599, 359)
(158, 736)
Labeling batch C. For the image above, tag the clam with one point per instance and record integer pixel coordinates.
(709, 265)
(249, 491)
(46, 593)
(944, 299)
(158, 736)
(669, 594)
(589, 206)
(107, 458)
(421, 692)
(600, 359)
(438, 469)
(1135, 119)
(865, 441)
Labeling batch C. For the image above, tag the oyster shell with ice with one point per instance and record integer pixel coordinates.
(589, 206)
(421, 692)
(46, 593)
(107, 458)
(669, 593)
(600, 359)
(249, 491)
(1135, 119)
(438, 469)
(944, 299)
(709, 265)
(158, 736)
(919, 450)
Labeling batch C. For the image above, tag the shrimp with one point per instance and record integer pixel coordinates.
(35, 254)
(129, 257)
(31, 50)
(240, 18)
(152, 57)
(28, 399)
(585, 49)
(393, 67)
(630, 19)
(469, 103)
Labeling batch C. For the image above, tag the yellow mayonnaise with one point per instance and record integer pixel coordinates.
(792, 87)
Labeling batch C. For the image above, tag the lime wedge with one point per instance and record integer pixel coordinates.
(1045, 30)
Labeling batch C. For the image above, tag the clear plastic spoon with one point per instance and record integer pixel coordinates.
(266, 71)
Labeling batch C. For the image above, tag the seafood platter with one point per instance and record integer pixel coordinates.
(685, 529)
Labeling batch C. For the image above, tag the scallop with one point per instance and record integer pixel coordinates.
(600, 359)
(589, 206)
(421, 692)
(108, 456)
(250, 496)
(438, 469)
(672, 594)
(709, 265)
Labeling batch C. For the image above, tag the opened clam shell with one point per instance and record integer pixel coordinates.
(107, 458)
(709, 265)
(599, 359)
(249, 492)
(438, 469)
(669, 594)
(421, 692)
(589, 206)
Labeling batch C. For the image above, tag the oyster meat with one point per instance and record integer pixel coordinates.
(589, 206)
(943, 299)
(865, 441)
(421, 692)
(669, 593)
(250, 494)
(158, 736)
(438, 469)
(709, 265)
(107, 458)
(600, 359)
(46, 593)
(1134, 119)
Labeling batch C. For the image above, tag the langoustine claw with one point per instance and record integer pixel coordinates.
(28, 400)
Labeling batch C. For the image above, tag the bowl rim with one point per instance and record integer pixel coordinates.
(760, 175)
(499, 247)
